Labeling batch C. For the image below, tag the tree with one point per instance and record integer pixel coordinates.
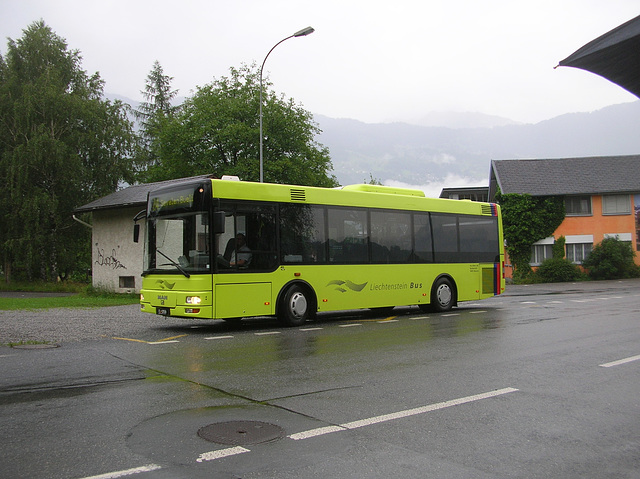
(527, 219)
(217, 132)
(372, 181)
(61, 145)
(156, 108)
(557, 269)
(611, 259)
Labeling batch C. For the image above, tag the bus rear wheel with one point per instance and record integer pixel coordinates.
(295, 306)
(442, 295)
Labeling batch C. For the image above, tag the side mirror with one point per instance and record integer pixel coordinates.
(136, 226)
(218, 222)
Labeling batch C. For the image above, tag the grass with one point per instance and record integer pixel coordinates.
(82, 296)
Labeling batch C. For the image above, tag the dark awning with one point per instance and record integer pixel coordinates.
(614, 56)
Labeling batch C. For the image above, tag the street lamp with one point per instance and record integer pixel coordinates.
(302, 33)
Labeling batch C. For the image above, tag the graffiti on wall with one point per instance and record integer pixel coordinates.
(109, 261)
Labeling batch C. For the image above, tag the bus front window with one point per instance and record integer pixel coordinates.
(178, 244)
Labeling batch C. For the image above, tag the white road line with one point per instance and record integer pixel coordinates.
(127, 472)
(163, 342)
(267, 333)
(397, 415)
(350, 325)
(388, 321)
(476, 312)
(316, 432)
(528, 302)
(219, 337)
(450, 314)
(220, 453)
(310, 329)
(620, 361)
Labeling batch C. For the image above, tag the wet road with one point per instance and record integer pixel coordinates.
(541, 382)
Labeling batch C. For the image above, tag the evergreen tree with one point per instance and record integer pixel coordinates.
(152, 112)
(61, 145)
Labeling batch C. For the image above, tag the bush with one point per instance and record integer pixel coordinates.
(557, 270)
(611, 259)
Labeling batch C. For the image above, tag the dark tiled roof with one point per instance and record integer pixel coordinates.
(135, 195)
(567, 176)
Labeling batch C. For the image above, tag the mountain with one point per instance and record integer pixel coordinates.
(450, 119)
(445, 153)
(401, 153)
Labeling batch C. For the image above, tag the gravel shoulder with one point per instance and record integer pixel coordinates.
(62, 325)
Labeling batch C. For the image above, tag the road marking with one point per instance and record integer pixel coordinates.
(528, 302)
(398, 415)
(220, 453)
(127, 472)
(310, 329)
(172, 339)
(476, 312)
(350, 325)
(450, 314)
(133, 340)
(620, 361)
(219, 337)
(267, 333)
(388, 320)
(316, 432)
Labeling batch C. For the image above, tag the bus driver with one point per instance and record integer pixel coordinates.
(241, 255)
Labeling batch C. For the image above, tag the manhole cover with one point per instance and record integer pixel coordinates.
(241, 433)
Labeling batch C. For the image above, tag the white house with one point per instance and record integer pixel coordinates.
(116, 261)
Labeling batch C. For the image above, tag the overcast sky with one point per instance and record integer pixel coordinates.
(370, 60)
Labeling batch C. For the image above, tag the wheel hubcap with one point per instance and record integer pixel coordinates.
(444, 294)
(298, 305)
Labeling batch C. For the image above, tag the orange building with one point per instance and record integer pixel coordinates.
(602, 199)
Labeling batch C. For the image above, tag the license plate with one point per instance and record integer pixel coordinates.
(162, 311)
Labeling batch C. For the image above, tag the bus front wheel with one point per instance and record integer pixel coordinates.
(442, 295)
(295, 306)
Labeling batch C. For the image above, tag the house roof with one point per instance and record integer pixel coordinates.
(566, 176)
(446, 192)
(135, 195)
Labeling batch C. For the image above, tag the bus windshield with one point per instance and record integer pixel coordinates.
(178, 243)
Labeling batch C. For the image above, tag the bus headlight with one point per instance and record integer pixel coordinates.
(193, 300)
(141, 298)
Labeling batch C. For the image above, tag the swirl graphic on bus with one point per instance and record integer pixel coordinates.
(340, 285)
(165, 284)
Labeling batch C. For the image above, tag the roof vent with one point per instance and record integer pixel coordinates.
(298, 195)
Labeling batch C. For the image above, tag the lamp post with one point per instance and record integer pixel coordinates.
(302, 33)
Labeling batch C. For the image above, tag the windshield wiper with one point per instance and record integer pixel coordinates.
(173, 263)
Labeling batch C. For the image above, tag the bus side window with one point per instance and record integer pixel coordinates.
(423, 249)
(348, 235)
(302, 234)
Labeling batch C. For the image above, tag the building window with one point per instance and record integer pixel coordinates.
(577, 252)
(540, 252)
(624, 237)
(127, 282)
(578, 205)
(616, 205)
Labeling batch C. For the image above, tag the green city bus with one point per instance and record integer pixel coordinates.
(227, 249)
